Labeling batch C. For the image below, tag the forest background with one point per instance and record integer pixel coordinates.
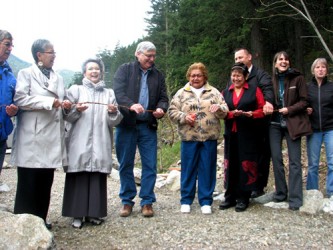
(188, 31)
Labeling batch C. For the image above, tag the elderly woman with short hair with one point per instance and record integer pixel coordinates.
(38, 145)
(89, 145)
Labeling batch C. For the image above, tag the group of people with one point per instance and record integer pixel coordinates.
(73, 129)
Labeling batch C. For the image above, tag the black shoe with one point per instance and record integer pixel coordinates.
(257, 193)
(241, 206)
(294, 208)
(278, 200)
(227, 204)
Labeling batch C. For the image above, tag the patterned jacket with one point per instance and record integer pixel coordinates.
(207, 125)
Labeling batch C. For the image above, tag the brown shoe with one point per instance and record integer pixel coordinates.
(126, 210)
(147, 210)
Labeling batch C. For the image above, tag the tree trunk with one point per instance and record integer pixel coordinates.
(257, 48)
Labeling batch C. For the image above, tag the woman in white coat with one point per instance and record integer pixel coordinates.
(89, 144)
(38, 144)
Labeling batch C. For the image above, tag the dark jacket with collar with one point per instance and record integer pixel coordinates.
(321, 101)
(126, 86)
(7, 87)
(295, 100)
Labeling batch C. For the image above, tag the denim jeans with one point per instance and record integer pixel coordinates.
(127, 139)
(295, 193)
(198, 160)
(314, 143)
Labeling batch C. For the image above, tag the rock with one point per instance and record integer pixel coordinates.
(266, 198)
(327, 205)
(137, 175)
(278, 205)
(4, 188)
(115, 174)
(173, 180)
(312, 201)
(24, 231)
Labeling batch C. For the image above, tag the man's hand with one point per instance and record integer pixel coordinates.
(268, 108)
(11, 110)
(137, 108)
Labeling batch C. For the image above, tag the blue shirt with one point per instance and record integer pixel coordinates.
(144, 96)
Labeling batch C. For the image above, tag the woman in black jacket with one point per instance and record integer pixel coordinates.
(320, 97)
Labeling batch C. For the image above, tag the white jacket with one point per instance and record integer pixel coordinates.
(90, 139)
(38, 140)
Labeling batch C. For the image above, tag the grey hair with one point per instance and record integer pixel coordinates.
(4, 34)
(95, 60)
(318, 61)
(39, 46)
(145, 46)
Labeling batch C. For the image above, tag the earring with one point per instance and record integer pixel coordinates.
(40, 64)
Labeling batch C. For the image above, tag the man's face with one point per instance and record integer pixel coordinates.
(146, 58)
(243, 56)
(6, 47)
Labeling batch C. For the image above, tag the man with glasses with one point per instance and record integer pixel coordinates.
(142, 98)
(7, 86)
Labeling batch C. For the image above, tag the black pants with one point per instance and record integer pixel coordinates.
(33, 191)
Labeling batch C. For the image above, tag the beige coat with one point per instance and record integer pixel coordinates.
(39, 134)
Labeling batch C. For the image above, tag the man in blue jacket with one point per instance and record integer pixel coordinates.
(7, 86)
(142, 98)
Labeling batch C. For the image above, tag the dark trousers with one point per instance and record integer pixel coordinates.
(295, 167)
(33, 191)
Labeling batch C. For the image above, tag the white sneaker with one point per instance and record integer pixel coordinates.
(77, 223)
(206, 209)
(185, 208)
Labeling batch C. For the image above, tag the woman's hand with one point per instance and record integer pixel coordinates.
(214, 107)
(56, 103)
(190, 119)
(283, 111)
(309, 110)
(66, 104)
(112, 108)
(81, 107)
(248, 114)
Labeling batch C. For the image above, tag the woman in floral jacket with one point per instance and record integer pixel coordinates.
(197, 109)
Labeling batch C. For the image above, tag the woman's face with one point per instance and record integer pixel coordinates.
(47, 57)
(93, 72)
(320, 71)
(237, 78)
(197, 79)
(282, 64)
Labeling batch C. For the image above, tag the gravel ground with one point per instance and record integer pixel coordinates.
(258, 227)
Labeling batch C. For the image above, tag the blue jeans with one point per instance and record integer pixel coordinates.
(295, 194)
(198, 160)
(126, 141)
(314, 143)
(3, 147)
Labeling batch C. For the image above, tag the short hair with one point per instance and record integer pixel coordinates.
(145, 46)
(276, 56)
(242, 48)
(241, 67)
(95, 60)
(319, 61)
(39, 46)
(200, 66)
(4, 34)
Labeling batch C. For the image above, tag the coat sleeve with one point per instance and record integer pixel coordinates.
(266, 86)
(113, 118)
(163, 100)
(120, 85)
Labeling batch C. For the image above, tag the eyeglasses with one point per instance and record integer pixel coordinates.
(150, 55)
(196, 75)
(8, 45)
(50, 52)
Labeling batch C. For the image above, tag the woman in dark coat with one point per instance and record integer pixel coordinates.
(289, 122)
(245, 104)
